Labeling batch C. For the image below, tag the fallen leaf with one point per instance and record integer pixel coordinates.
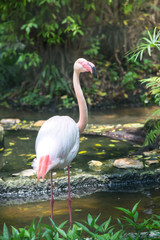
(114, 140)
(111, 145)
(100, 153)
(82, 152)
(97, 144)
(78, 210)
(23, 138)
(11, 144)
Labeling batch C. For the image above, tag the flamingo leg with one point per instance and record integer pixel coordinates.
(69, 197)
(52, 199)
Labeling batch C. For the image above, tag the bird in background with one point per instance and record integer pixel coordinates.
(57, 142)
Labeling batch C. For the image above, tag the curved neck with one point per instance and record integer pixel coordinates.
(83, 111)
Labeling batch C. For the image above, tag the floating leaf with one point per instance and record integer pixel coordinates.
(23, 138)
(97, 144)
(22, 154)
(1, 149)
(7, 154)
(111, 145)
(11, 144)
(78, 210)
(83, 139)
(30, 156)
(8, 149)
(82, 152)
(100, 153)
(114, 140)
(30, 163)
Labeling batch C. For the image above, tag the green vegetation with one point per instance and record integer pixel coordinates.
(41, 39)
(129, 227)
(148, 43)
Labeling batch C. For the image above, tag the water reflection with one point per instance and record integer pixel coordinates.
(103, 202)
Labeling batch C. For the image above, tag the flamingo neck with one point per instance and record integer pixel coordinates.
(83, 111)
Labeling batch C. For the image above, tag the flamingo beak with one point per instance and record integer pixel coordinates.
(93, 70)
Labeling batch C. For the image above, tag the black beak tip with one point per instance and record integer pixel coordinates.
(94, 71)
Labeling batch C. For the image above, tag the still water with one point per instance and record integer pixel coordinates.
(110, 116)
(20, 146)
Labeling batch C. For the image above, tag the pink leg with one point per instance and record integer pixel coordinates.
(52, 199)
(69, 197)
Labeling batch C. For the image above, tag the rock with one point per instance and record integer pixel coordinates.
(147, 154)
(1, 137)
(128, 163)
(150, 153)
(10, 121)
(25, 173)
(95, 165)
(38, 123)
(152, 161)
(133, 125)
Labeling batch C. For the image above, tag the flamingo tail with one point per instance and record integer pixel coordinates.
(41, 166)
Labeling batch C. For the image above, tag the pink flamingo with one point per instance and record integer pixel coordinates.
(57, 142)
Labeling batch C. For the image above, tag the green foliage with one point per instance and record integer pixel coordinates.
(44, 37)
(153, 84)
(28, 60)
(147, 43)
(129, 80)
(152, 128)
(90, 229)
(34, 99)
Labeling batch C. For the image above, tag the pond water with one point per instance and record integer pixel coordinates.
(109, 116)
(19, 151)
(103, 202)
(20, 148)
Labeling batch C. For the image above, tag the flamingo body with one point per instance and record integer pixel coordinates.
(56, 145)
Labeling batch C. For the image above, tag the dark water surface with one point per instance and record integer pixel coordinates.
(20, 147)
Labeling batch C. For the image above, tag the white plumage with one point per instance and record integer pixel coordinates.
(59, 138)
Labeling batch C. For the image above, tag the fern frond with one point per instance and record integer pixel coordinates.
(152, 133)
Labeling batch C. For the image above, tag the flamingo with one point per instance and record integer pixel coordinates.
(57, 142)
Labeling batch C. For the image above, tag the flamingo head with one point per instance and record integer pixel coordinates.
(82, 65)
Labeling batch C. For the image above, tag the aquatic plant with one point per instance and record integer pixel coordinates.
(129, 227)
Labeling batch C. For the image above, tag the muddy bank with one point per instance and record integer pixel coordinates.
(24, 189)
